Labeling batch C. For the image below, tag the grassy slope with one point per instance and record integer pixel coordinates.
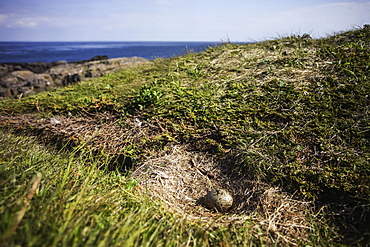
(74, 202)
(294, 112)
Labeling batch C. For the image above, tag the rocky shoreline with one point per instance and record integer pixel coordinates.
(22, 79)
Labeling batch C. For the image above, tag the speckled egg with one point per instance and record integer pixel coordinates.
(218, 199)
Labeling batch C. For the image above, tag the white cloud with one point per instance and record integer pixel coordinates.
(16, 21)
(25, 23)
(3, 18)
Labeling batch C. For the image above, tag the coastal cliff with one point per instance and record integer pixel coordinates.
(23, 79)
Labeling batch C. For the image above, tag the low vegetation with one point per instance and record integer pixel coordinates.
(288, 117)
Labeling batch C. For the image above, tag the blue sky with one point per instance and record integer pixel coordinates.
(175, 20)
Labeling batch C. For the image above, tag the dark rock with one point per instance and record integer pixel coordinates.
(71, 79)
(59, 63)
(22, 79)
(3, 70)
(89, 73)
(38, 67)
(99, 58)
(5, 93)
(94, 59)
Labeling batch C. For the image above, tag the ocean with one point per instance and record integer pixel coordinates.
(29, 52)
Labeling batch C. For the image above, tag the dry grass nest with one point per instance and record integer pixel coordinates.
(180, 178)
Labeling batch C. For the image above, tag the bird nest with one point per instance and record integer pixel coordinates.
(180, 178)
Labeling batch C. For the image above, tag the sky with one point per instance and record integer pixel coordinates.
(176, 20)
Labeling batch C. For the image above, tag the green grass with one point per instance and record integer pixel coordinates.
(64, 199)
(292, 112)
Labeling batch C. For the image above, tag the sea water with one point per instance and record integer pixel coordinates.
(30, 52)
